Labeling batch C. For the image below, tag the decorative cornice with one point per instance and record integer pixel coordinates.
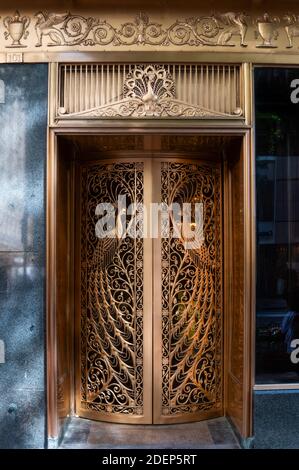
(68, 30)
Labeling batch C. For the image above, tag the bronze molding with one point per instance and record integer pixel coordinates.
(66, 31)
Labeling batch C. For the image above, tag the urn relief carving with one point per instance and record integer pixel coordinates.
(17, 29)
(267, 30)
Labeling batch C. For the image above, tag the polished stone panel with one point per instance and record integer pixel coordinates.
(22, 325)
(276, 419)
(23, 419)
(23, 140)
(212, 434)
(23, 154)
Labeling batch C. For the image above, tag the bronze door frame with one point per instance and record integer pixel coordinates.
(245, 427)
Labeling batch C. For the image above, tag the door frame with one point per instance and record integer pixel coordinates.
(55, 429)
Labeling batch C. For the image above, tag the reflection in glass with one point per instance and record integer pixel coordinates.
(277, 183)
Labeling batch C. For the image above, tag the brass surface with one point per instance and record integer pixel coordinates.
(113, 282)
(112, 301)
(188, 310)
(254, 28)
(147, 91)
(174, 146)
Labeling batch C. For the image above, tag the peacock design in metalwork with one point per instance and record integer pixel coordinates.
(112, 377)
(191, 297)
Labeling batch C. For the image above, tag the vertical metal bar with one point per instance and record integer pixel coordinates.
(61, 82)
(238, 84)
(234, 104)
(174, 74)
(112, 81)
(65, 96)
(180, 96)
(212, 89)
(102, 85)
(118, 82)
(185, 83)
(107, 83)
(85, 94)
(80, 90)
(70, 89)
(196, 87)
(229, 90)
(75, 88)
(201, 101)
(91, 94)
(190, 83)
(223, 90)
(218, 89)
(97, 86)
(206, 88)
(124, 75)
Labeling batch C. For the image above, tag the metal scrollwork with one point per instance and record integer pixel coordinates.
(70, 30)
(111, 297)
(63, 29)
(209, 31)
(192, 297)
(216, 29)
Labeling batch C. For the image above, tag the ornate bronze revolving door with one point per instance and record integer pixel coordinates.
(148, 310)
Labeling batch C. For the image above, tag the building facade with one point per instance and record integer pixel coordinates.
(174, 104)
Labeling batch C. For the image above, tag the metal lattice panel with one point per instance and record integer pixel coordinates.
(111, 297)
(149, 91)
(192, 297)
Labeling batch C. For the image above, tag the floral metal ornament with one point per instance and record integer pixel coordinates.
(213, 30)
(71, 30)
(17, 29)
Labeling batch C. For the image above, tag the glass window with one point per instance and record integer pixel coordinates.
(277, 183)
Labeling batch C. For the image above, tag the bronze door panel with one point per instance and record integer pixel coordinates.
(188, 301)
(113, 306)
(149, 311)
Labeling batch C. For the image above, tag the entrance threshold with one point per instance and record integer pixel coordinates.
(210, 434)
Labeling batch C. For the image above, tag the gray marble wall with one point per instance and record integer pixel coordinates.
(23, 127)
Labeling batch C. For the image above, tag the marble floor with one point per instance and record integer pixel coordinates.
(211, 434)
